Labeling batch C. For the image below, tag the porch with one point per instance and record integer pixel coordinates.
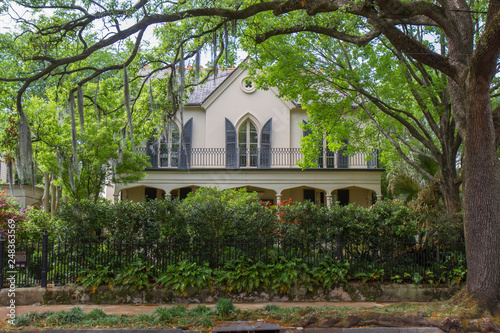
(321, 186)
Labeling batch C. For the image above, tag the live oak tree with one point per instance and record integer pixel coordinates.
(373, 97)
(469, 62)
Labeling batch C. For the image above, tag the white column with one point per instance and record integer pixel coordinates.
(278, 198)
(379, 197)
(329, 200)
(116, 197)
(167, 196)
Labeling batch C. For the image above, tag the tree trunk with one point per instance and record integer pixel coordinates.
(46, 192)
(450, 186)
(59, 197)
(481, 196)
(451, 194)
(52, 199)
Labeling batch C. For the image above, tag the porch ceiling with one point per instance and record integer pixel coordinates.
(274, 179)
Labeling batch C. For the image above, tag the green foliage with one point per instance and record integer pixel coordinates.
(73, 316)
(84, 219)
(384, 219)
(126, 223)
(162, 221)
(101, 157)
(153, 220)
(370, 275)
(213, 215)
(9, 210)
(186, 275)
(288, 274)
(35, 222)
(206, 322)
(136, 275)
(244, 275)
(302, 220)
(330, 273)
(224, 307)
(96, 314)
(96, 275)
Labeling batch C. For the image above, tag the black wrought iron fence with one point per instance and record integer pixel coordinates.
(61, 262)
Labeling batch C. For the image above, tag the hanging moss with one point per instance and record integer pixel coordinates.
(25, 152)
(75, 167)
(126, 95)
(80, 109)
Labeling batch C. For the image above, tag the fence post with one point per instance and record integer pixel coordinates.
(2, 242)
(45, 239)
(339, 244)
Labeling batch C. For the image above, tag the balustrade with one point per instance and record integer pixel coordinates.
(255, 158)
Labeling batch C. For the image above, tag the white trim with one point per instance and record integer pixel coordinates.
(244, 118)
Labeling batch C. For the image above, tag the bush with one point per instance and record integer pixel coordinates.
(298, 221)
(35, 222)
(84, 220)
(214, 216)
(9, 210)
(162, 221)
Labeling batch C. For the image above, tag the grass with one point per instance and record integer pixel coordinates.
(203, 317)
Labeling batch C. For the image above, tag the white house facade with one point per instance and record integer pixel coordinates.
(236, 136)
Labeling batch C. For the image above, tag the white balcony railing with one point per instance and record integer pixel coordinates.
(252, 158)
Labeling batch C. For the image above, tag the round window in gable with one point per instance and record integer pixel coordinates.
(247, 85)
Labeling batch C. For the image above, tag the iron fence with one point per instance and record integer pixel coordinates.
(61, 262)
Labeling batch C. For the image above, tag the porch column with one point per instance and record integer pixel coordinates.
(329, 200)
(379, 197)
(278, 198)
(116, 197)
(167, 196)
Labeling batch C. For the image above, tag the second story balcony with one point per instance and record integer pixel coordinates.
(254, 158)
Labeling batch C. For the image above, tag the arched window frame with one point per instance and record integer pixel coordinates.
(248, 151)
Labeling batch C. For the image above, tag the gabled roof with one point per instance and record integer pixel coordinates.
(202, 92)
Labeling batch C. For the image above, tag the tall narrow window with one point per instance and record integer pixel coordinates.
(248, 141)
(169, 146)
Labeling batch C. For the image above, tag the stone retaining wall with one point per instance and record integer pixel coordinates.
(349, 292)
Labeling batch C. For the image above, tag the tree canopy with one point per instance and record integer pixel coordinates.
(374, 98)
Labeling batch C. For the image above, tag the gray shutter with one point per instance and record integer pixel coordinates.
(343, 161)
(265, 144)
(306, 132)
(320, 157)
(231, 154)
(186, 144)
(374, 162)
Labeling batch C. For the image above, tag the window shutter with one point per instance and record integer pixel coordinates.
(265, 144)
(186, 144)
(343, 161)
(374, 162)
(231, 155)
(307, 131)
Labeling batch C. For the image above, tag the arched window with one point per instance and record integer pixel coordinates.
(169, 146)
(248, 143)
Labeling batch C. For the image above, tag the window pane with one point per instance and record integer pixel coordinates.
(242, 136)
(176, 136)
(254, 138)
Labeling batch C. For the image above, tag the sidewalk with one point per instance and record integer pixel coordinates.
(130, 309)
(127, 309)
